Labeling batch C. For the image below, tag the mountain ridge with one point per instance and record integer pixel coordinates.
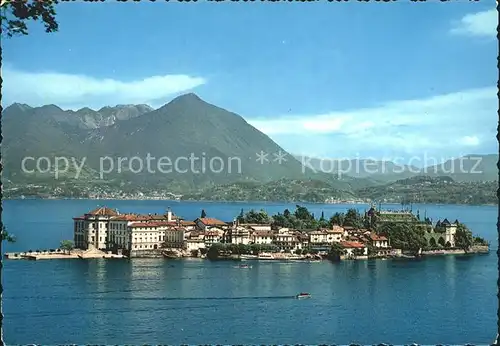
(467, 168)
(185, 125)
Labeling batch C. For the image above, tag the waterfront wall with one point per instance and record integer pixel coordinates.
(474, 249)
(152, 253)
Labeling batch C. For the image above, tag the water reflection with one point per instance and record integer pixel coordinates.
(99, 298)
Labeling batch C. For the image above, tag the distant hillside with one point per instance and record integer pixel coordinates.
(192, 148)
(469, 168)
(282, 190)
(359, 168)
(187, 127)
(426, 189)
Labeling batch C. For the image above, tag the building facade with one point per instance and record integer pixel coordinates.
(91, 229)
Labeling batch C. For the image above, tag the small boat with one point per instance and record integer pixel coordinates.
(248, 257)
(303, 295)
(243, 266)
(170, 255)
(266, 257)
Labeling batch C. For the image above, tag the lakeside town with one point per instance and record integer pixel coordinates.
(106, 233)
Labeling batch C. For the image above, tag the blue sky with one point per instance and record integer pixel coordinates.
(332, 80)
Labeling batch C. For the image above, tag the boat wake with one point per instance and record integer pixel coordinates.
(198, 298)
(105, 297)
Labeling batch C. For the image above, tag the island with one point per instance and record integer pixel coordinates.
(291, 235)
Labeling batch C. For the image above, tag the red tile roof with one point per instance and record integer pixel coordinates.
(336, 229)
(352, 244)
(103, 211)
(263, 234)
(376, 237)
(130, 217)
(188, 223)
(254, 225)
(209, 221)
(210, 233)
(152, 224)
(195, 234)
(157, 218)
(318, 232)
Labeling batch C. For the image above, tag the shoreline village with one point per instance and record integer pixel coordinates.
(289, 236)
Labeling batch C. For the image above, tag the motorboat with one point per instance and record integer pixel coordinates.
(266, 256)
(303, 295)
(243, 266)
(170, 255)
(248, 257)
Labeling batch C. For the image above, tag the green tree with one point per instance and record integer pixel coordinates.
(353, 219)
(303, 219)
(215, 251)
(337, 219)
(302, 213)
(405, 236)
(335, 252)
(6, 236)
(16, 14)
(372, 250)
(280, 220)
(322, 218)
(243, 249)
(480, 241)
(67, 245)
(258, 217)
(463, 238)
(241, 217)
(203, 214)
(255, 249)
(322, 222)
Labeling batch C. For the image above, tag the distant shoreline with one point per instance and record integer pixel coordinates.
(239, 202)
(80, 254)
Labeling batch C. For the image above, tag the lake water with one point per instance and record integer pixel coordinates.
(449, 299)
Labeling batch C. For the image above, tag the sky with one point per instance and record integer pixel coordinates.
(336, 80)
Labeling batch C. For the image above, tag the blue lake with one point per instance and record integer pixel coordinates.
(449, 299)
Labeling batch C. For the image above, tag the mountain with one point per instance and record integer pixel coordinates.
(282, 190)
(84, 118)
(469, 168)
(176, 145)
(359, 168)
(426, 189)
(181, 139)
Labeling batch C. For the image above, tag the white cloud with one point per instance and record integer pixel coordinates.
(440, 124)
(477, 24)
(470, 140)
(76, 91)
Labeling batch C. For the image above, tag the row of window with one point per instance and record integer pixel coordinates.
(145, 247)
(119, 226)
(83, 225)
